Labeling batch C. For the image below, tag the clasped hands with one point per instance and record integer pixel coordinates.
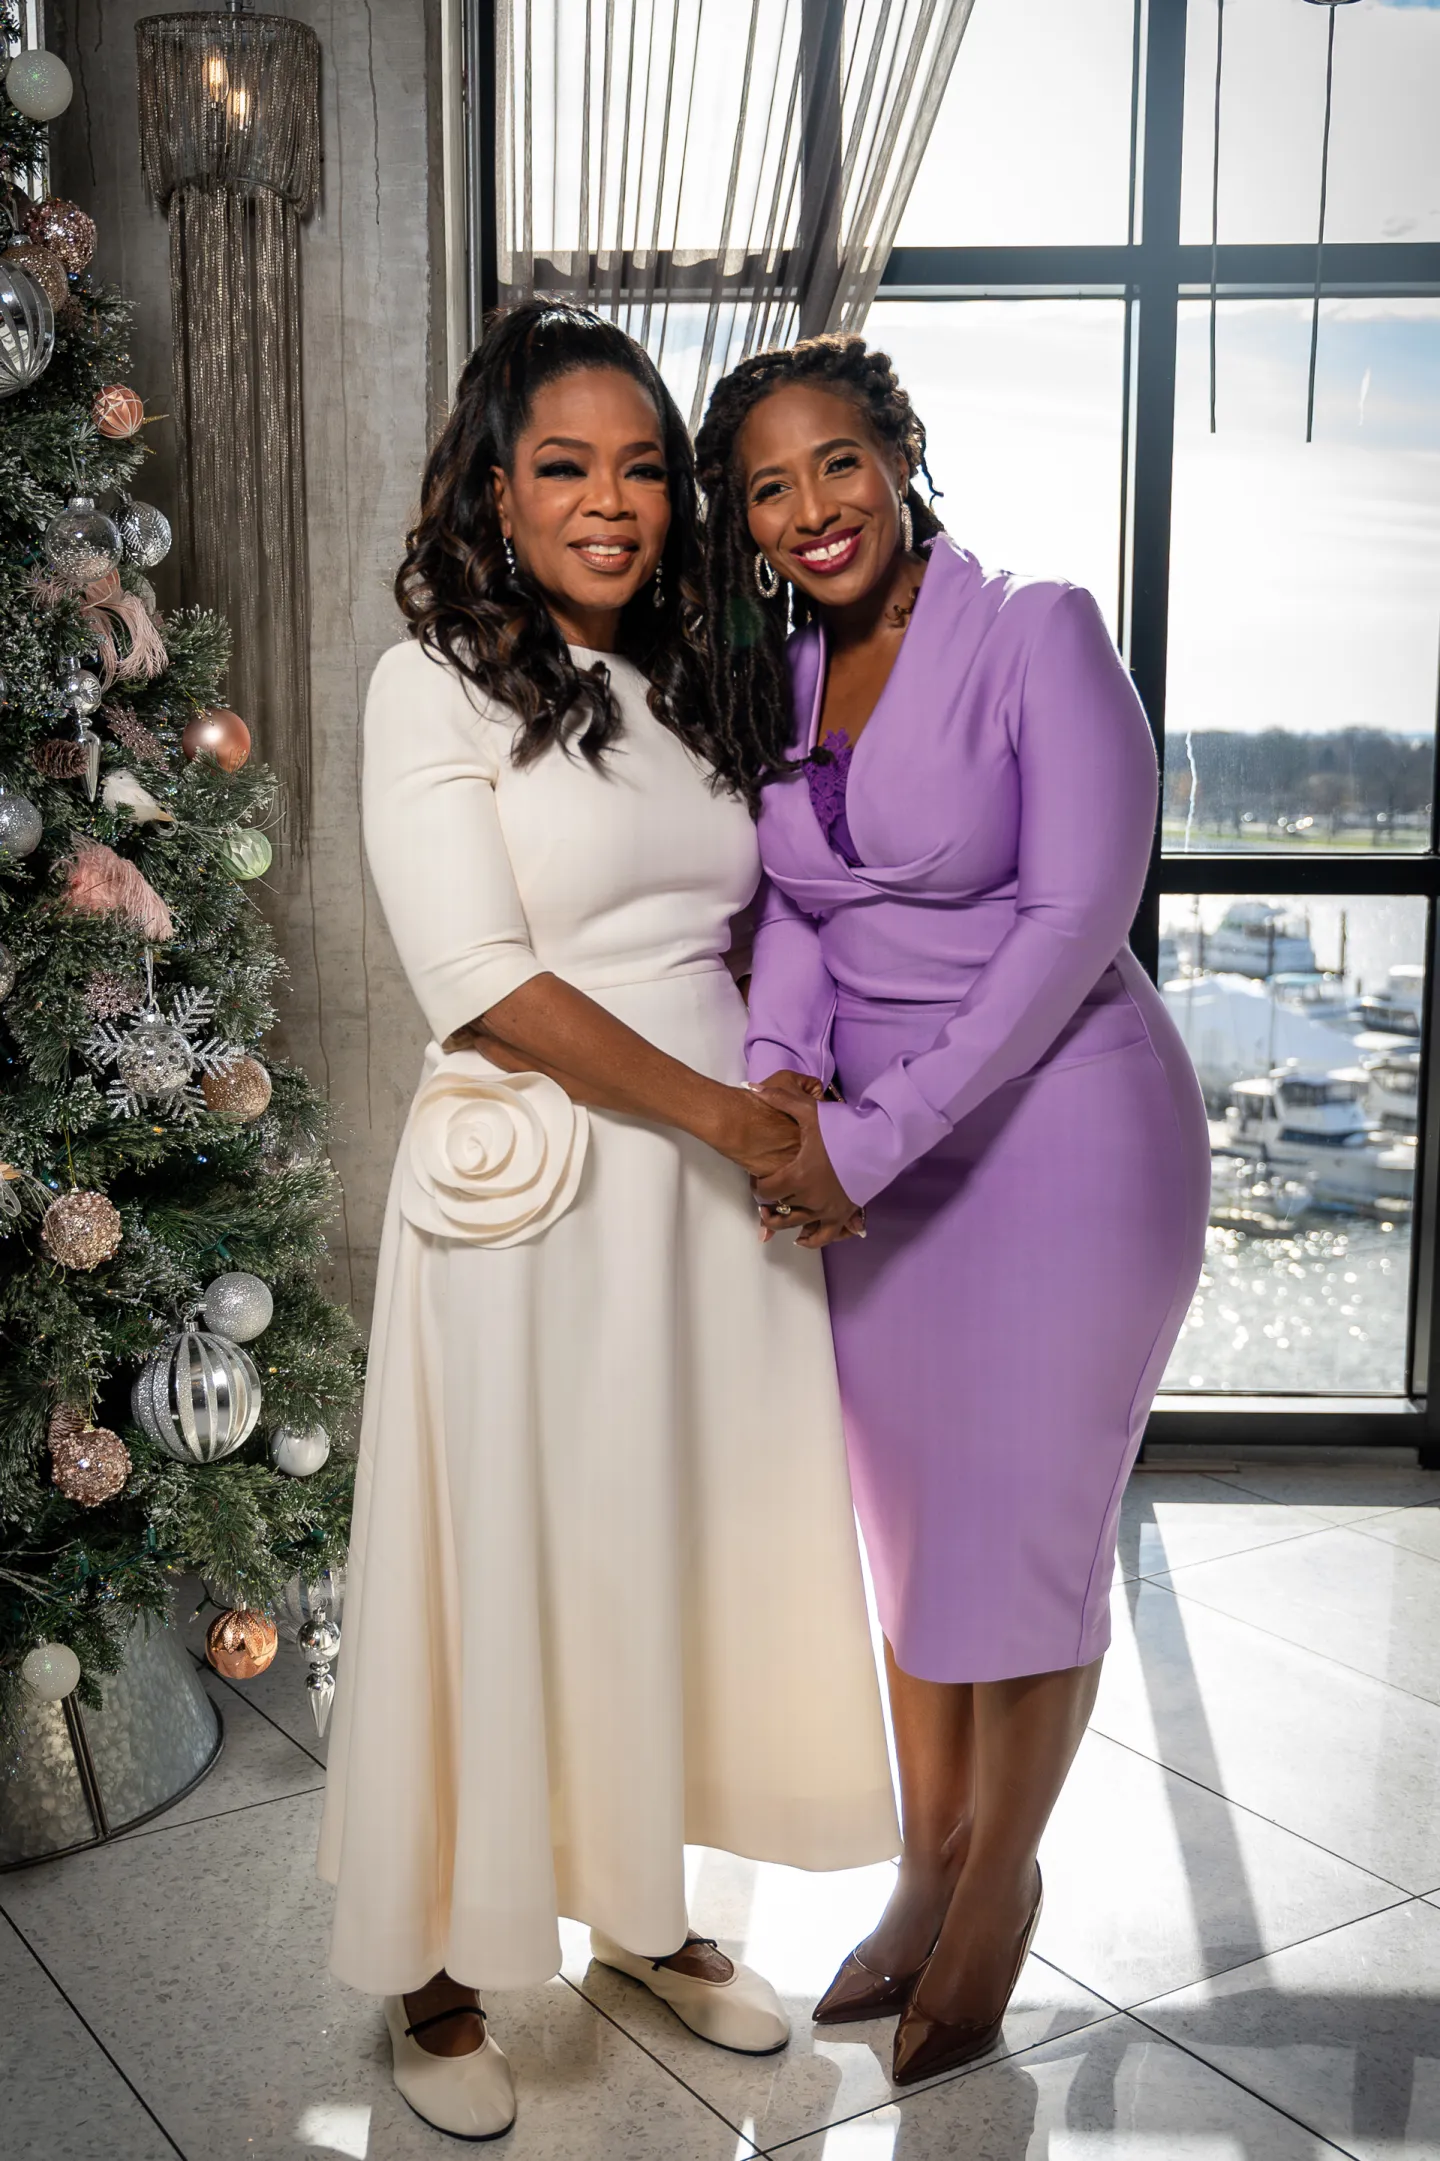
(805, 1188)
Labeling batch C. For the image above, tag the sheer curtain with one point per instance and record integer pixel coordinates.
(718, 175)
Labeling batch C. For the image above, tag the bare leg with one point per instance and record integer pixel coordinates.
(453, 2036)
(1026, 1735)
(934, 1744)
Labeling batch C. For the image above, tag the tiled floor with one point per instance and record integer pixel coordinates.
(1239, 1959)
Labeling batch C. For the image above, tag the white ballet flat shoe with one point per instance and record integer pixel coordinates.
(743, 2013)
(470, 2097)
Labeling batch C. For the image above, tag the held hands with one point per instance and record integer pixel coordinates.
(817, 1205)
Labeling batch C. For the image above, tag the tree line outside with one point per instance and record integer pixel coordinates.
(1280, 787)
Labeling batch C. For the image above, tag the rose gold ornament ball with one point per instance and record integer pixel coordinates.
(65, 229)
(81, 1229)
(45, 267)
(241, 1644)
(241, 1092)
(90, 1467)
(221, 732)
(117, 411)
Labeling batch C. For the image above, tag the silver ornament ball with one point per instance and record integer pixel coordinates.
(80, 690)
(27, 330)
(238, 1305)
(310, 1598)
(198, 1397)
(319, 1638)
(81, 543)
(144, 534)
(155, 1059)
(20, 825)
(299, 1451)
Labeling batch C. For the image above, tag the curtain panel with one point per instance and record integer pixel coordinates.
(717, 175)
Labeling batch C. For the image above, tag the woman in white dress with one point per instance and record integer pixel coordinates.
(605, 1594)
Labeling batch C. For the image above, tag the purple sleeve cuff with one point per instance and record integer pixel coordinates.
(870, 1143)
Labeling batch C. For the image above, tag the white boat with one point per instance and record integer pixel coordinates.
(1397, 1008)
(1311, 1124)
(1256, 938)
(1233, 1026)
(1393, 1097)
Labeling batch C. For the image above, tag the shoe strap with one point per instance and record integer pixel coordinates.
(437, 2018)
(690, 1943)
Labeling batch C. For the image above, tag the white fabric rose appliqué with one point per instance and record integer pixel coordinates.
(490, 1158)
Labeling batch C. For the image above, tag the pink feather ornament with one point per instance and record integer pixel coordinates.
(104, 604)
(103, 883)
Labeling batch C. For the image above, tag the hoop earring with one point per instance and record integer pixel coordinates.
(657, 594)
(767, 577)
(907, 528)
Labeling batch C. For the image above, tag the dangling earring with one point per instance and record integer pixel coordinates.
(657, 593)
(767, 577)
(509, 555)
(907, 529)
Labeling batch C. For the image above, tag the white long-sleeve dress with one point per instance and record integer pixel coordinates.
(605, 1594)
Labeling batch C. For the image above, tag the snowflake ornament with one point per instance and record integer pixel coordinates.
(157, 1055)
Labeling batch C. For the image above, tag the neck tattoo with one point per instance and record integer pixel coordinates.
(898, 614)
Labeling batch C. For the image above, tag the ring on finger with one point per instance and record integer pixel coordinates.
(783, 1208)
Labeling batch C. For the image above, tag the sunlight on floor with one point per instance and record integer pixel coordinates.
(341, 2127)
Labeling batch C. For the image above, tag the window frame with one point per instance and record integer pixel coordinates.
(1152, 271)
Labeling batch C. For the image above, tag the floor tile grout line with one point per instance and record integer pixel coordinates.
(1228, 1478)
(1264, 2099)
(185, 1823)
(1258, 1815)
(898, 2095)
(1306, 1650)
(1295, 1538)
(206, 1667)
(1336, 1928)
(77, 2014)
(1290, 1538)
(659, 2062)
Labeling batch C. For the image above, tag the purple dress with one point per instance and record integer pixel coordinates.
(1019, 1114)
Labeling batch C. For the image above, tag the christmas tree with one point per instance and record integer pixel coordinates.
(162, 1186)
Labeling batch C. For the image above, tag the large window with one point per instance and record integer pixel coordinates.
(1051, 305)
(1138, 371)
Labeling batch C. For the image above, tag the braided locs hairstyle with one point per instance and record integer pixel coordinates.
(469, 607)
(751, 683)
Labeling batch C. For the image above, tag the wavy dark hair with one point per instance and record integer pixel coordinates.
(751, 683)
(468, 607)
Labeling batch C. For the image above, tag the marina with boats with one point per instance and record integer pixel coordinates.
(1311, 1083)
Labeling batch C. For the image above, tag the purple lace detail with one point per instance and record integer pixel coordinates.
(827, 776)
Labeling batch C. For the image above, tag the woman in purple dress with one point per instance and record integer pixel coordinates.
(1010, 1167)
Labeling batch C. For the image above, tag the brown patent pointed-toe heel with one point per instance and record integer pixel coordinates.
(925, 2046)
(858, 1992)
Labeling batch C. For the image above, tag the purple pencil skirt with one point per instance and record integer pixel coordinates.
(1003, 1328)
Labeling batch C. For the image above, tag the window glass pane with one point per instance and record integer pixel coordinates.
(1303, 1020)
(1032, 142)
(1305, 579)
(1384, 180)
(658, 77)
(1022, 401)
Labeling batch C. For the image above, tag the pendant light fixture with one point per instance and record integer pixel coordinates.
(230, 142)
